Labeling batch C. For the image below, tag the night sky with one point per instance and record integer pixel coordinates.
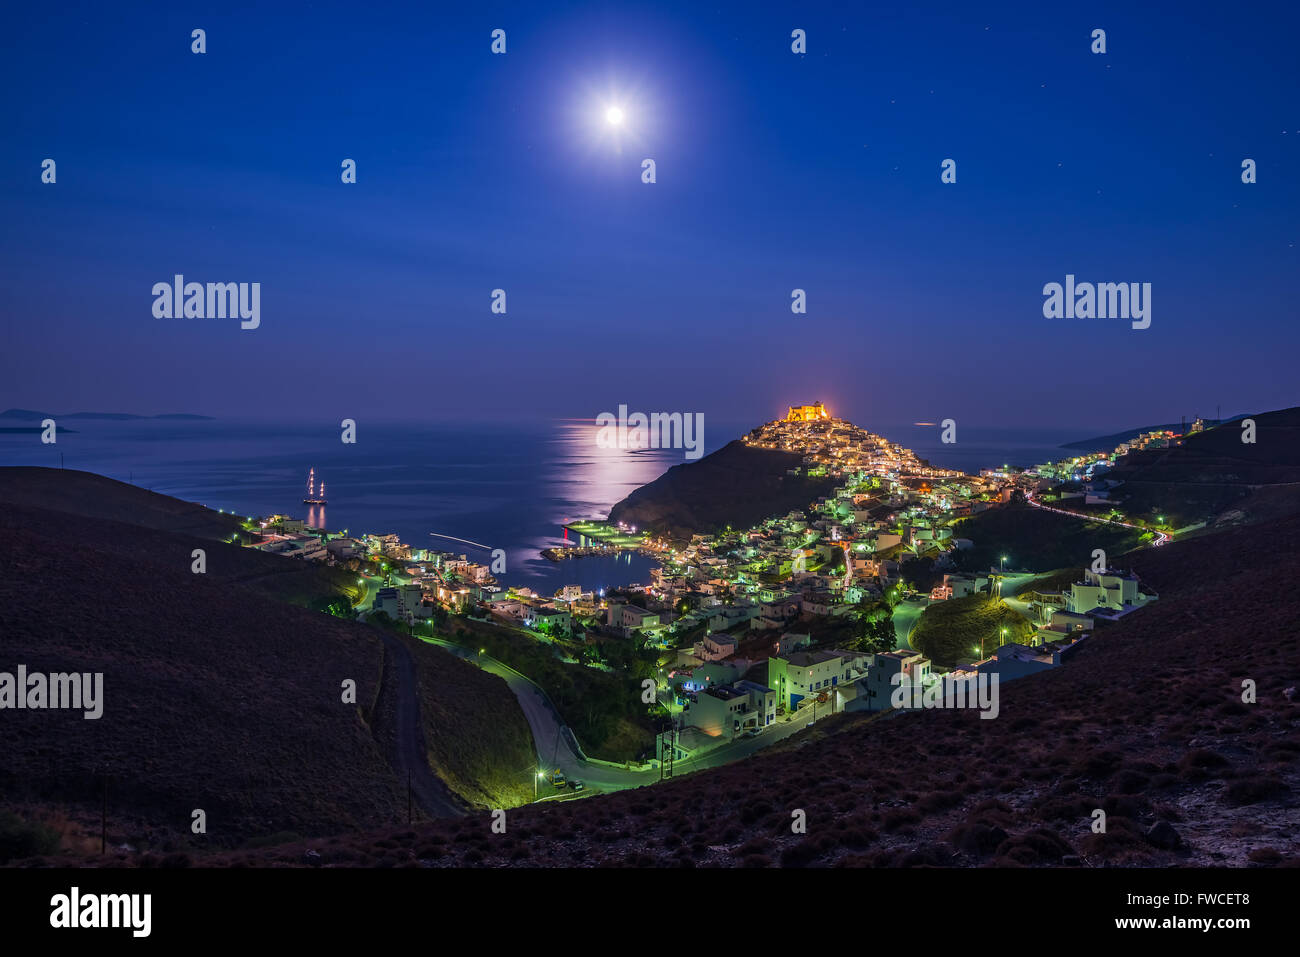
(774, 171)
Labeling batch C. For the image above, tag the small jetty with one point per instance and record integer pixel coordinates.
(560, 553)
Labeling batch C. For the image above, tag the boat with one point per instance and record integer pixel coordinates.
(314, 497)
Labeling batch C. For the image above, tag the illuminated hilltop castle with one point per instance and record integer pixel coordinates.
(807, 413)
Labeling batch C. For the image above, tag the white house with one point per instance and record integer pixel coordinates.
(1111, 591)
(880, 682)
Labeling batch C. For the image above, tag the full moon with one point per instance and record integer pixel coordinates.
(614, 116)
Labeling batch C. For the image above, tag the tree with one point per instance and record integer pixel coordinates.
(876, 634)
(920, 573)
(879, 636)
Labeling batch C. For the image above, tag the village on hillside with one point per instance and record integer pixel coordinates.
(811, 611)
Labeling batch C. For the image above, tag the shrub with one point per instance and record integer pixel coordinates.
(19, 838)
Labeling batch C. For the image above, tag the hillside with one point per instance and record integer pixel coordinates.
(1037, 540)
(220, 696)
(95, 496)
(957, 631)
(77, 495)
(1146, 723)
(1215, 476)
(737, 485)
(1104, 443)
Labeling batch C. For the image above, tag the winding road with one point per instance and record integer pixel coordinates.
(557, 749)
(1161, 537)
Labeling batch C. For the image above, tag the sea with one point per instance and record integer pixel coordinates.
(462, 488)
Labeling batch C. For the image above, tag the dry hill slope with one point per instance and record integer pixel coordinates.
(219, 697)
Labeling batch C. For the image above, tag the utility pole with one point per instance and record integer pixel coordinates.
(667, 752)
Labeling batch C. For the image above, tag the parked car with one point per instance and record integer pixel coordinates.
(751, 733)
(576, 785)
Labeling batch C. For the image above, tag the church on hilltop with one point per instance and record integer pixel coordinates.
(807, 413)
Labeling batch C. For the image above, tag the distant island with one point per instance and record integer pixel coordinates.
(30, 416)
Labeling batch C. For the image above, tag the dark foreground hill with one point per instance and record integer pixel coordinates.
(218, 696)
(738, 485)
(75, 494)
(1147, 723)
(96, 496)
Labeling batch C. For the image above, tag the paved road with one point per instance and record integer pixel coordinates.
(906, 614)
(1161, 537)
(743, 747)
(555, 743)
(410, 751)
(411, 754)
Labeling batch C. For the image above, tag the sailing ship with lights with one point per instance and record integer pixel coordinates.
(314, 497)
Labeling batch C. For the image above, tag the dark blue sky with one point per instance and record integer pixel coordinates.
(775, 171)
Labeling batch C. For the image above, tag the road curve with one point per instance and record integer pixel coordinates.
(1161, 537)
